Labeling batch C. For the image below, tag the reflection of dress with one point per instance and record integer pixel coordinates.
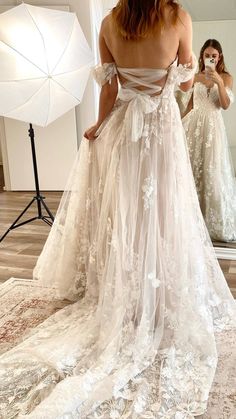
(211, 163)
(129, 234)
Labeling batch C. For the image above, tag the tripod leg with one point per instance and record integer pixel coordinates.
(38, 198)
(14, 224)
(47, 210)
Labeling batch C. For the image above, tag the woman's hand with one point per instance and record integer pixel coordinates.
(90, 133)
(222, 82)
(214, 76)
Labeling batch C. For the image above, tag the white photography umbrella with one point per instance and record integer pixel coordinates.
(45, 63)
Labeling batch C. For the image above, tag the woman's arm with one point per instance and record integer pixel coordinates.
(222, 81)
(185, 44)
(109, 90)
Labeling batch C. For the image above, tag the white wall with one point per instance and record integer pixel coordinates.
(56, 147)
(201, 10)
(225, 32)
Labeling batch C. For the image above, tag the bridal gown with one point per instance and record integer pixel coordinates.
(211, 162)
(130, 250)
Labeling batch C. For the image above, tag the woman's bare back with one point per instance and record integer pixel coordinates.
(155, 51)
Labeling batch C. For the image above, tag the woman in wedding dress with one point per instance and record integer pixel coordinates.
(208, 145)
(130, 248)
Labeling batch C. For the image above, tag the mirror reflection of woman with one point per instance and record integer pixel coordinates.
(208, 144)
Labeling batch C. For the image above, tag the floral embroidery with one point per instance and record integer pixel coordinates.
(88, 200)
(211, 164)
(104, 73)
(149, 189)
(155, 281)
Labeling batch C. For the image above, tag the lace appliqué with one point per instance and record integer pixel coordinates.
(154, 280)
(184, 72)
(230, 94)
(211, 164)
(149, 189)
(104, 73)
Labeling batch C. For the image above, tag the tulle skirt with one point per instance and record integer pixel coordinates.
(213, 171)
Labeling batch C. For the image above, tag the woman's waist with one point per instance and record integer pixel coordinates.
(206, 107)
(142, 93)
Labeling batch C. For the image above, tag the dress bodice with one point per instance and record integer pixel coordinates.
(149, 81)
(144, 90)
(146, 80)
(207, 99)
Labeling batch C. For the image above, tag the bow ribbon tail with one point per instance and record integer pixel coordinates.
(134, 121)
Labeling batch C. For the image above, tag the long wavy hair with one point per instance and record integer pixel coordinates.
(134, 18)
(220, 68)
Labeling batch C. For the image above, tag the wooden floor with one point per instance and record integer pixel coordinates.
(21, 247)
(1, 178)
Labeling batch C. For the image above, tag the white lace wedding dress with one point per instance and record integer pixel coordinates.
(211, 162)
(129, 246)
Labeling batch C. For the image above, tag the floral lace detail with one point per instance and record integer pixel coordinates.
(104, 73)
(214, 179)
(184, 72)
(149, 191)
(154, 280)
(230, 94)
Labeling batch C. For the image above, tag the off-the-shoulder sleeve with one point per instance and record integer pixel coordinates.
(104, 73)
(187, 71)
(230, 94)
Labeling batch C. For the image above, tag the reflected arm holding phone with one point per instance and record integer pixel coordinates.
(223, 80)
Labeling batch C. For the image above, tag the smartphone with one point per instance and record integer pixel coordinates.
(210, 62)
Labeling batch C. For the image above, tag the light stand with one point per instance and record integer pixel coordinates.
(41, 87)
(48, 219)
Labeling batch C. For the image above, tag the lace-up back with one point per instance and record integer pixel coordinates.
(141, 83)
(143, 79)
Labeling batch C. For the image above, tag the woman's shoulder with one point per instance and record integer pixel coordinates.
(183, 23)
(177, 17)
(107, 27)
(184, 17)
(227, 79)
(106, 22)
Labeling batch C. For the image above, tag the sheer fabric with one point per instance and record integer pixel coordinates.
(130, 247)
(211, 162)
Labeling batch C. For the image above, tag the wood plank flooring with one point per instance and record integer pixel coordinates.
(20, 249)
(1, 178)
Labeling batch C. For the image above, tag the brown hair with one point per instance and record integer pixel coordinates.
(220, 68)
(134, 18)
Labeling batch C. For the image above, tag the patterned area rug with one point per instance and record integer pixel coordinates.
(24, 305)
(222, 400)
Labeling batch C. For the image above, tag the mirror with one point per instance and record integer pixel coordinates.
(208, 24)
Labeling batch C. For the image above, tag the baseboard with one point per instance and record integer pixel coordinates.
(222, 253)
